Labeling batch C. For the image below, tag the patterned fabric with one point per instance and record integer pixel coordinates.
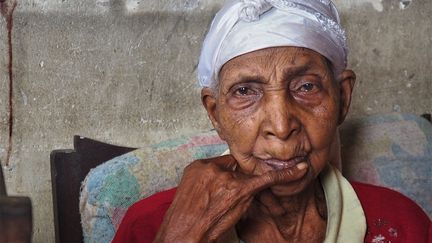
(112, 187)
(393, 150)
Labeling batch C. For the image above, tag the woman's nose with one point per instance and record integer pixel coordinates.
(281, 118)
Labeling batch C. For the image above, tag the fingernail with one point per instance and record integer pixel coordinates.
(301, 165)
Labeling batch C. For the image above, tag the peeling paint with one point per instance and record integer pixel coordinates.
(403, 4)
(6, 10)
(24, 98)
(132, 5)
(103, 3)
(348, 4)
(376, 4)
(397, 108)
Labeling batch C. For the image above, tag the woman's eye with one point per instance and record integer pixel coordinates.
(307, 87)
(244, 91)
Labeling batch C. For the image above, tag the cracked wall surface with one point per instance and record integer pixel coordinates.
(123, 71)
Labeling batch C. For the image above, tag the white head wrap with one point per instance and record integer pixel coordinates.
(243, 26)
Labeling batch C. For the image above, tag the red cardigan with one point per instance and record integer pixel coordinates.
(390, 217)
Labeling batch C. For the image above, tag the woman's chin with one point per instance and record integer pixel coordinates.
(293, 188)
(285, 190)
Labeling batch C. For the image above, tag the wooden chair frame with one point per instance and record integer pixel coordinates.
(68, 169)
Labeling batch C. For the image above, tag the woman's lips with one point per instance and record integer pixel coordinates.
(284, 164)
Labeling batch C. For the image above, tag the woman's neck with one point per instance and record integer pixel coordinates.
(303, 218)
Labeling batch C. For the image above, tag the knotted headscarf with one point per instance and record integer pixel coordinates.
(243, 26)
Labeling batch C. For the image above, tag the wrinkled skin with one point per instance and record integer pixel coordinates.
(212, 197)
(278, 109)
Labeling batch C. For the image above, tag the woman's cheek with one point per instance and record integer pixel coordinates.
(321, 134)
(322, 138)
(239, 120)
(309, 101)
(240, 129)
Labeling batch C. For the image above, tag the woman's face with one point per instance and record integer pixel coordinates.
(277, 107)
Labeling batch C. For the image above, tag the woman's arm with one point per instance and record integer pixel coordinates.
(212, 197)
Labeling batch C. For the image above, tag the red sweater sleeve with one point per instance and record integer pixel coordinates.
(143, 219)
(391, 216)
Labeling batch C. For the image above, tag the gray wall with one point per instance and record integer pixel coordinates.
(123, 71)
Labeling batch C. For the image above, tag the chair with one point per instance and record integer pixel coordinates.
(101, 208)
(15, 216)
(68, 169)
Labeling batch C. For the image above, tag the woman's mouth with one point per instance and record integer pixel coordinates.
(284, 164)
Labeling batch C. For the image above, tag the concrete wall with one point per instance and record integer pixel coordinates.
(123, 71)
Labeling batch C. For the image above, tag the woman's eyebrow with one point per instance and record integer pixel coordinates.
(287, 73)
(291, 72)
(244, 78)
(251, 78)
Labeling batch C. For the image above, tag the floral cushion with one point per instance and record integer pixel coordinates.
(112, 187)
(393, 150)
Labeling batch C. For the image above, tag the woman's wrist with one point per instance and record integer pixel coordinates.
(174, 233)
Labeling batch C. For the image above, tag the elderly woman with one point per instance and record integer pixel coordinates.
(276, 88)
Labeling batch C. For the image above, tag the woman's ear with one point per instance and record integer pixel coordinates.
(346, 84)
(209, 100)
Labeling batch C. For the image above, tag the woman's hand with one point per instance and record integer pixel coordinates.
(212, 197)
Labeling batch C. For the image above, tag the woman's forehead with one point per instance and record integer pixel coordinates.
(274, 57)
